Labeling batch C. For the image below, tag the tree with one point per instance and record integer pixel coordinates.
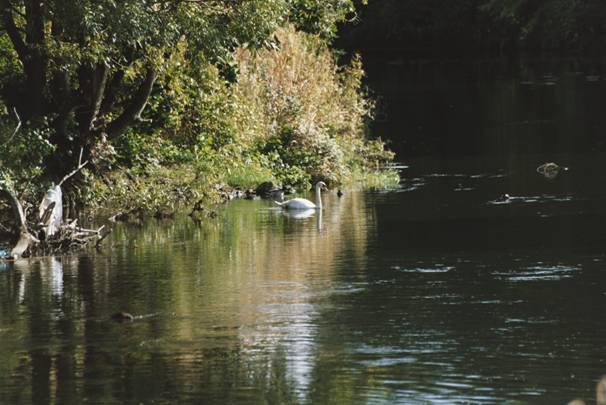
(86, 69)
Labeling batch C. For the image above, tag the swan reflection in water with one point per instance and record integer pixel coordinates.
(303, 214)
(300, 214)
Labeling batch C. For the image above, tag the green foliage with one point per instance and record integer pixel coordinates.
(22, 150)
(89, 67)
(320, 16)
(307, 111)
(247, 173)
(182, 96)
(154, 190)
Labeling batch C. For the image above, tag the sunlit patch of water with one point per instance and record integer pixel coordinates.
(539, 199)
(447, 175)
(423, 270)
(397, 166)
(406, 186)
(462, 188)
(530, 321)
(538, 273)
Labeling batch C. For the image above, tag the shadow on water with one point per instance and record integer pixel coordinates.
(476, 281)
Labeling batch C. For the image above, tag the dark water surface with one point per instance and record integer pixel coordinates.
(436, 292)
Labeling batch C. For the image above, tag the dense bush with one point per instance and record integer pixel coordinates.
(309, 115)
(291, 115)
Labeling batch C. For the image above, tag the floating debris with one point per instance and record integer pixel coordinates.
(550, 170)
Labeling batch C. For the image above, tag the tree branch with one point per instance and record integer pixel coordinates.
(92, 82)
(13, 32)
(25, 237)
(133, 111)
(98, 85)
(16, 128)
(34, 13)
(18, 212)
(110, 93)
(80, 166)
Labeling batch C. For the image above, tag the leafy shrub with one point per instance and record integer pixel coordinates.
(307, 111)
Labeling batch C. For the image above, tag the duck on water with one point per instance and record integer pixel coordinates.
(304, 204)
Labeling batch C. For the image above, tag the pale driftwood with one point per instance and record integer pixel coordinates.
(51, 211)
(17, 208)
(57, 237)
(102, 236)
(45, 217)
(26, 240)
(17, 128)
(51, 219)
(25, 237)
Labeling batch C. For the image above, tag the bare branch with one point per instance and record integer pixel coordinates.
(80, 166)
(25, 237)
(16, 128)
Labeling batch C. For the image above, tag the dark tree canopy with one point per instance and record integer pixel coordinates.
(434, 26)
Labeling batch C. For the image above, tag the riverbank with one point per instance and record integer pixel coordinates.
(163, 192)
(289, 115)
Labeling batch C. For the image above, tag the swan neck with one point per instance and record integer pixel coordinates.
(318, 197)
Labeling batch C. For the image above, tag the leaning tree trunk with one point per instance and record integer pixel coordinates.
(20, 228)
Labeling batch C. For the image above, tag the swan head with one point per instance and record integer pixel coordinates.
(321, 186)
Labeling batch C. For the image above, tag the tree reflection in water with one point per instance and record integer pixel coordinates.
(227, 310)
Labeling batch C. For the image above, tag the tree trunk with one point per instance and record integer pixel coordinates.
(133, 111)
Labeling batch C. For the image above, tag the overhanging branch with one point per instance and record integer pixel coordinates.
(133, 110)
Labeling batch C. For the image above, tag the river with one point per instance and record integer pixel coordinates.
(438, 291)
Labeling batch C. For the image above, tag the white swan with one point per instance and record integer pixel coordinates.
(302, 203)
